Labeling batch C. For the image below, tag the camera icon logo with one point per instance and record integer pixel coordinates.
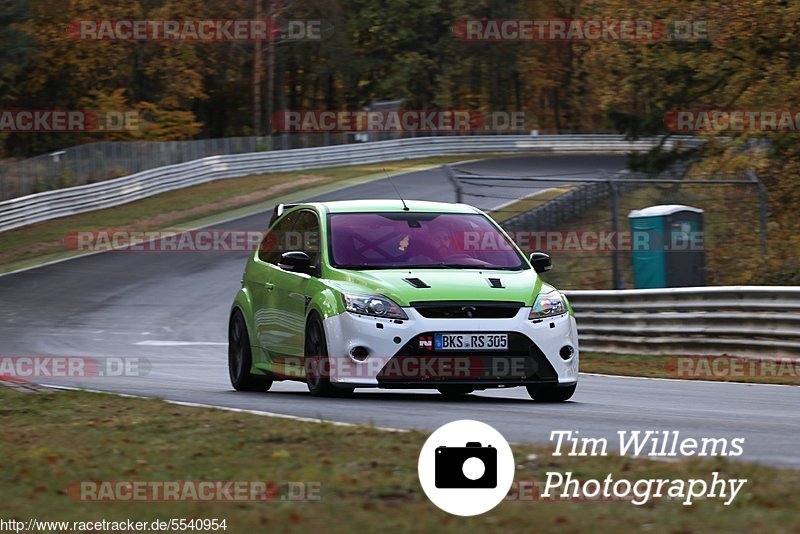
(472, 466)
(466, 467)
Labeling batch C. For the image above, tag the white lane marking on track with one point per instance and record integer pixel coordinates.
(690, 380)
(514, 201)
(282, 416)
(156, 343)
(229, 409)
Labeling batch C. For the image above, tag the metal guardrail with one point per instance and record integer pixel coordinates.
(95, 162)
(752, 321)
(48, 205)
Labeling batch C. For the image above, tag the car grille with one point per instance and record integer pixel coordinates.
(467, 310)
(418, 363)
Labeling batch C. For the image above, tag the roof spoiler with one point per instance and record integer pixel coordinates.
(278, 211)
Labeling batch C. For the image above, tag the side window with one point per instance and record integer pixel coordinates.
(277, 241)
(305, 236)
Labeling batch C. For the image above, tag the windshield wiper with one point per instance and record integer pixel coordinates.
(356, 266)
(443, 265)
(368, 266)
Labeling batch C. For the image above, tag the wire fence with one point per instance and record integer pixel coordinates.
(583, 222)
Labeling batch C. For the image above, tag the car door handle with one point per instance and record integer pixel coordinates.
(269, 286)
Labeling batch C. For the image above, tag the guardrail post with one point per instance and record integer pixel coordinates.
(615, 229)
(763, 213)
(451, 175)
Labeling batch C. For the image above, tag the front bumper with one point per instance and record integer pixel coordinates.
(398, 353)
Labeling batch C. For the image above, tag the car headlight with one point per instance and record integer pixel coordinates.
(548, 305)
(374, 305)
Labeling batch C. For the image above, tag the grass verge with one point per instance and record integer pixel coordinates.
(367, 478)
(713, 368)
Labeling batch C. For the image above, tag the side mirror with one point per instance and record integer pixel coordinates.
(295, 262)
(541, 262)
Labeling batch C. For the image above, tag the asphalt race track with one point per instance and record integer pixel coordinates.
(171, 310)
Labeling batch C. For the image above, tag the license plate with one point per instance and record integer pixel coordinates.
(471, 342)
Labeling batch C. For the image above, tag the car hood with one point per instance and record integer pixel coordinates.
(445, 284)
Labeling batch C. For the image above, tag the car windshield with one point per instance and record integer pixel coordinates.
(420, 240)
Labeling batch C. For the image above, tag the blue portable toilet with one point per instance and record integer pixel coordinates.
(667, 247)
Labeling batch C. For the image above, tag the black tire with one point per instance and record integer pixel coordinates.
(455, 392)
(240, 358)
(551, 393)
(317, 365)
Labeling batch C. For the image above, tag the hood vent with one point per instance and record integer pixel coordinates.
(416, 282)
(495, 283)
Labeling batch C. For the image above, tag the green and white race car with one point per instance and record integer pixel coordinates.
(392, 294)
